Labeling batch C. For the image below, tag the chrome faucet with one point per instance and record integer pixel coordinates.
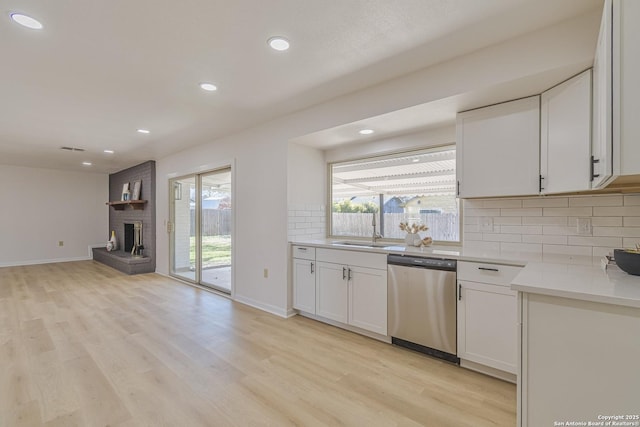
(376, 235)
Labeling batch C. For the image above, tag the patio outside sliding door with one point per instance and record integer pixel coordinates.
(201, 215)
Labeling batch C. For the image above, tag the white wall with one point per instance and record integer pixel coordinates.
(40, 207)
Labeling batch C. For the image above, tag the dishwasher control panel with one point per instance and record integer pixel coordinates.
(433, 263)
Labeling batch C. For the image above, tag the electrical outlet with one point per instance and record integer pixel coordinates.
(583, 226)
(265, 273)
(60, 243)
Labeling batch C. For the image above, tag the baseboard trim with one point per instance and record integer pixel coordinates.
(262, 306)
(43, 261)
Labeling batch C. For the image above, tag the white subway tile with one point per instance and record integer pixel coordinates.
(556, 230)
(632, 200)
(617, 211)
(546, 202)
(544, 220)
(521, 229)
(600, 251)
(318, 224)
(482, 212)
(302, 225)
(482, 246)
(318, 213)
(632, 221)
(541, 238)
(630, 242)
(296, 206)
(567, 250)
(521, 212)
(607, 221)
(503, 203)
(582, 211)
(303, 213)
(521, 247)
(615, 200)
(594, 241)
(297, 219)
(470, 220)
(471, 228)
(472, 236)
(493, 237)
(507, 220)
(472, 204)
(617, 231)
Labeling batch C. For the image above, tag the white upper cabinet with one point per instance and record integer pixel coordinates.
(601, 143)
(565, 136)
(498, 149)
(616, 128)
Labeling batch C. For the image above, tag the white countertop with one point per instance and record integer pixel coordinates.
(565, 276)
(587, 283)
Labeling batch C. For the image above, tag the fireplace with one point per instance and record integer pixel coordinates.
(133, 238)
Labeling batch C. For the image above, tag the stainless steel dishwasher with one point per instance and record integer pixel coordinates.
(422, 305)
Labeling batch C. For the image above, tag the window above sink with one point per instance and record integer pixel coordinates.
(415, 187)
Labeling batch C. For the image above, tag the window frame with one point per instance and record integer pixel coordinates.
(383, 156)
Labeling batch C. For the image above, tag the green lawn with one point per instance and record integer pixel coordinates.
(216, 251)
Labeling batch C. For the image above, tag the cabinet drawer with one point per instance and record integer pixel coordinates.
(304, 252)
(361, 259)
(495, 274)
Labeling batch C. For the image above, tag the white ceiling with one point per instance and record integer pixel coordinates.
(99, 70)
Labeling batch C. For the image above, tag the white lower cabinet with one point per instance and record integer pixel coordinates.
(353, 292)
(487, 316)
(332, 292)
(368, 299)
(304, 278)
(304, 285)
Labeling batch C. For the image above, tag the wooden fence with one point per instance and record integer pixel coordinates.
(215, 222)
(442, 226)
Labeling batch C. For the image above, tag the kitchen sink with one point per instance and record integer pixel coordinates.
(363, 244)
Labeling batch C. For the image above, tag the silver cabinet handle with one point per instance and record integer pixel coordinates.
(488, 269)
(349, 276)
(344, 273)
(459, 291)
(311, 268)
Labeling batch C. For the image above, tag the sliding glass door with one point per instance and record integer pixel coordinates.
(202, 224)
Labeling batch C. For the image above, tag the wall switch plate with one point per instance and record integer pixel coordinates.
(265, 273)
(485, 223)
(583, 226)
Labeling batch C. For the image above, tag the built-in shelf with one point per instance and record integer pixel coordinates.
(135, 204)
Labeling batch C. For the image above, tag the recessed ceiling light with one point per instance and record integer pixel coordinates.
(143, 131)
(87, 163)
(365, 131)
(208, 87)
(278, 43)
(109, 151)
(26, 21)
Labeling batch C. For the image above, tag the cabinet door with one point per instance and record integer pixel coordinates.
(304, 285)
(601, 141)
(368, 299)
(332, 291)
(498, 149)
(626, 88)
(565, 137)
(487, 325)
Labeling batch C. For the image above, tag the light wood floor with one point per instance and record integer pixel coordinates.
(84, 345)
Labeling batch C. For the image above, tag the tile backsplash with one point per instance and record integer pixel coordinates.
(306, 221)
(549, 225)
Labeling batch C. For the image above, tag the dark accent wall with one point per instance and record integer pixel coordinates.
(147, 173)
